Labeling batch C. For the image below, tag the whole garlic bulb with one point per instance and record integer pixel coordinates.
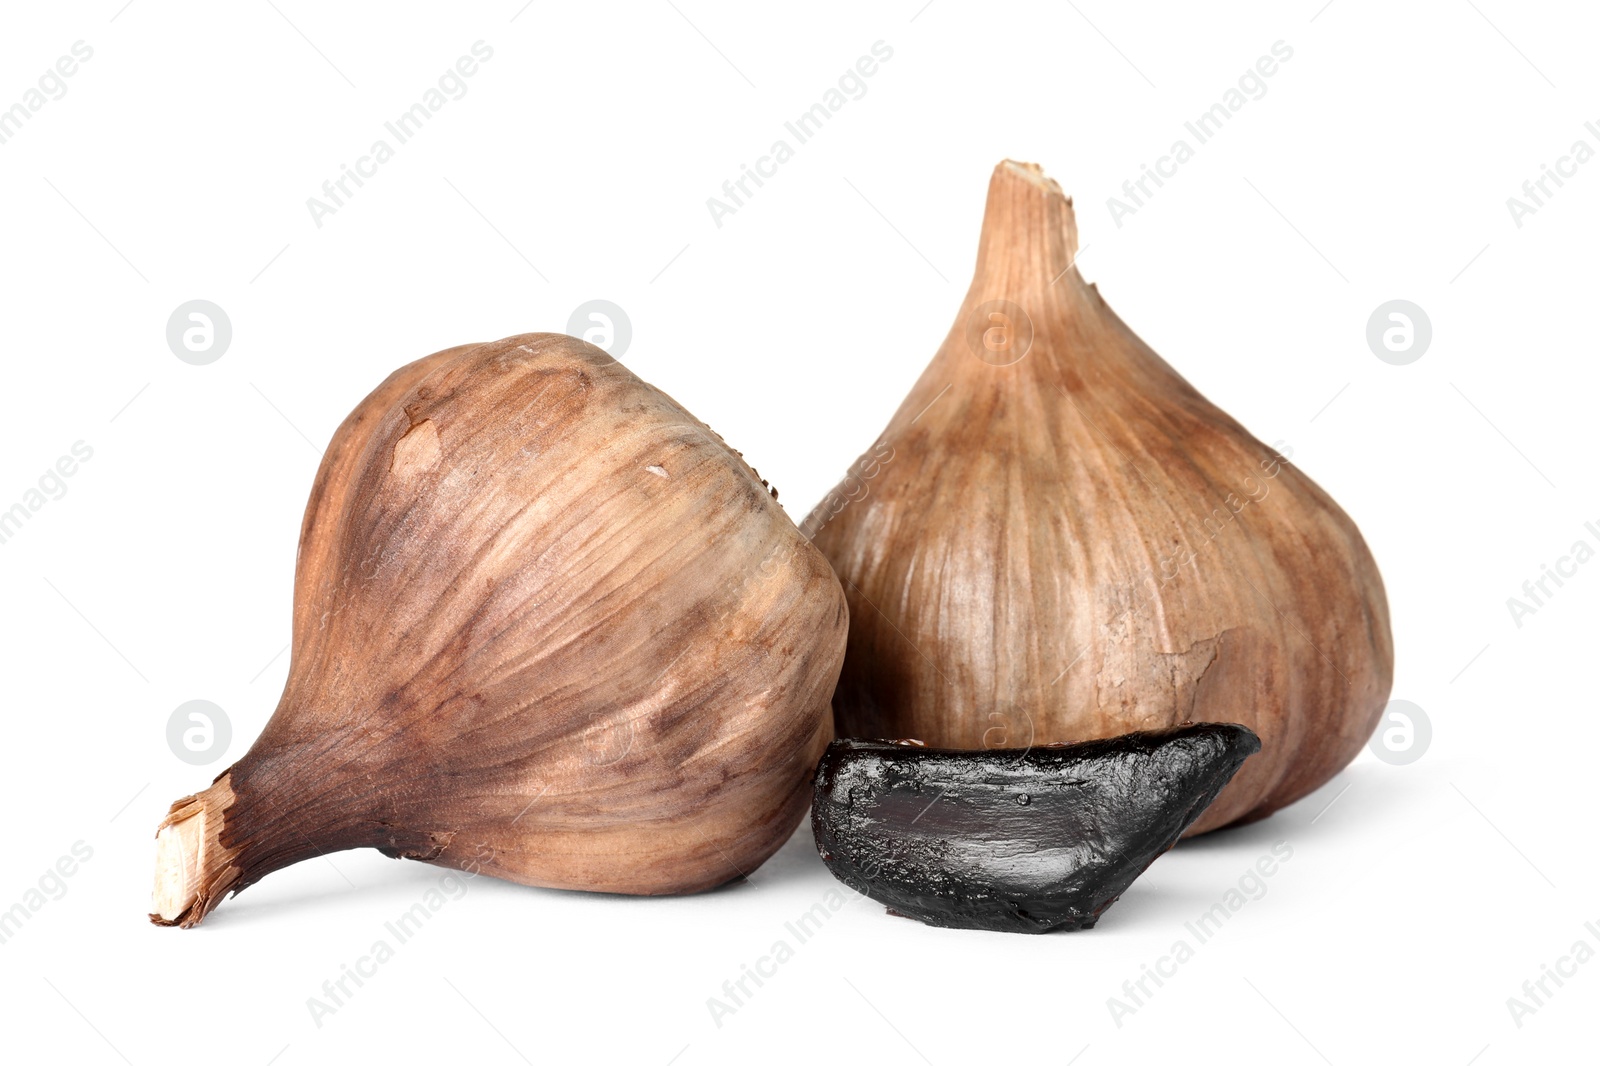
(1069, 542)
(548, 627)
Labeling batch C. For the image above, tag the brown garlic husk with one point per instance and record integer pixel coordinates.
(547, 627)
(1057, 539)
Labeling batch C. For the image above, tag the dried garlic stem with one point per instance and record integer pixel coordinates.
(193, 869)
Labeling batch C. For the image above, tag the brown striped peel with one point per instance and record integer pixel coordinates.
(548, 627)
(1070, 542)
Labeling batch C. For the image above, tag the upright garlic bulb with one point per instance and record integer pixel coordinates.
(1070, 542)
(548, 627)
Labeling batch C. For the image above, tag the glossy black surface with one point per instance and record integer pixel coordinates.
(1025, 840)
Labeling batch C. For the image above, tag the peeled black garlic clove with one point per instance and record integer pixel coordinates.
(1067, 526)
(1023, 841)
(547, 626)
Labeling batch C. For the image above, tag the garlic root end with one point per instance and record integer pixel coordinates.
(193, 869)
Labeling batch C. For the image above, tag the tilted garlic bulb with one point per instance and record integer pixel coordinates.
(548, 627)
(1070, 542)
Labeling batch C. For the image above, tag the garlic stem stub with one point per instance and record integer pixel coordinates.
(547, 626)
(1072, 543)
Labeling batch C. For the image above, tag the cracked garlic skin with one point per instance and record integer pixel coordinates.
(1069, 542)
(547, 627)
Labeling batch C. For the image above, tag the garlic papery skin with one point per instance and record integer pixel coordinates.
(1072, 543)
(549, 627)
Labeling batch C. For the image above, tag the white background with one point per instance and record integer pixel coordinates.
(1377, 166)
